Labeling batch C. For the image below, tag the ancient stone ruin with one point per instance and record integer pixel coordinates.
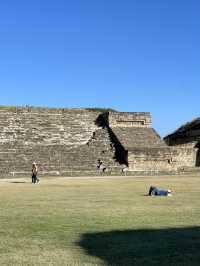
(186, 143)
(142, 147)
(72, 141)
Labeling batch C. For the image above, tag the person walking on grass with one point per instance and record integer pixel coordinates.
(34, 173)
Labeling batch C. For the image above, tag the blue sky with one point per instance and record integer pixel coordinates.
(130, 55)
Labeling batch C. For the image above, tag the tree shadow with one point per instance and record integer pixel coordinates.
(177, 246)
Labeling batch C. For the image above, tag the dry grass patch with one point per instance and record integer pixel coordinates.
(99, 221)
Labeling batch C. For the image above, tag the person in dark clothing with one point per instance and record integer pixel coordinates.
(34, 173)
(154, 191)
(101, 166)
(151, 189)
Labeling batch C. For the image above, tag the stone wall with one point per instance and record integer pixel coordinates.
(146, 151)
(154, 159)
(68, 141)
(31, 127)
(129, 119)
(59, 140)
(185, 142)
(184, 155)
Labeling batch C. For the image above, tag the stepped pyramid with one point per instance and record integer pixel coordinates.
(71, 141)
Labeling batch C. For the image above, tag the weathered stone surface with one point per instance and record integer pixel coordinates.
(146, 150)
(67, 141)
(47, 128)
(185, 141)
(128, 119)
(140, 137)
(59, 140)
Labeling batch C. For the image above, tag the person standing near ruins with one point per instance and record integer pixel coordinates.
(34, 173)
(101, 166)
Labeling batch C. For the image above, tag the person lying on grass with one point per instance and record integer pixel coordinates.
(154, 191)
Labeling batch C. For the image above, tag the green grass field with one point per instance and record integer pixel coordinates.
(99, 221)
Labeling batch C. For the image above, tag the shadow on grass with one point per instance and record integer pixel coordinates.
(18, 182)
(178, 246)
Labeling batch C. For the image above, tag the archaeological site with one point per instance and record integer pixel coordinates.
(72, 141)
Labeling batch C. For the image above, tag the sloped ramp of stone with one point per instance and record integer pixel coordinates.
(136, 137)
(147, 152)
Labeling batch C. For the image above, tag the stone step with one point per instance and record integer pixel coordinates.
(31, 138)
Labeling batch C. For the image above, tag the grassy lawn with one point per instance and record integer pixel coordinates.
(99, 221)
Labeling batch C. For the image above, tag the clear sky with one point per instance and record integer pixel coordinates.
(130, 55)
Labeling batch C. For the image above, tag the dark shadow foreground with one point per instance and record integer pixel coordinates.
(178, 246)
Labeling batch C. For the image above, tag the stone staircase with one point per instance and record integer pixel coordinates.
(70, 141)
(44, 127)
(60, 142)
(59, 159)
